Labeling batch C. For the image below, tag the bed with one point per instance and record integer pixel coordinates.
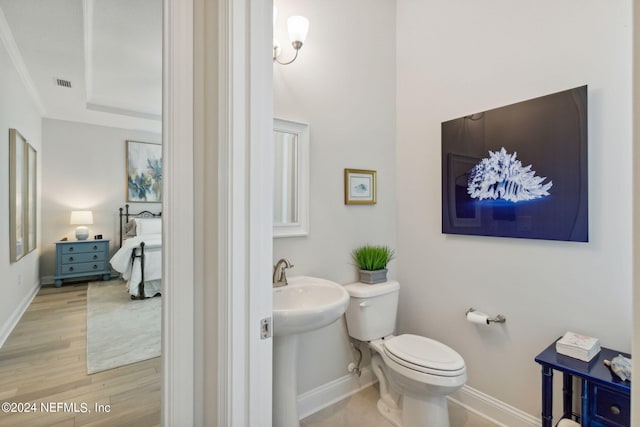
(139, 258)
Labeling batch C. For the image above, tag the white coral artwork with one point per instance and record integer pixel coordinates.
(502, 176)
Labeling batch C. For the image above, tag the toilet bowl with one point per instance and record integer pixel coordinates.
(415, 373)
(422, 372)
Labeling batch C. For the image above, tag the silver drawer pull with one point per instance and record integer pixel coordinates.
(95, 248)
(71, 249)
(70, 268)
(95, 267)
(70, 259)
(615, 409)
(95, 257)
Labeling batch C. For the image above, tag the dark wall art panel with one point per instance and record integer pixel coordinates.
(519, 170)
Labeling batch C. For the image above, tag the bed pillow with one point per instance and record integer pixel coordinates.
(146, 226)
(130, 229)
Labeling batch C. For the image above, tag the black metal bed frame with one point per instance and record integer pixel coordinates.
(134, 254)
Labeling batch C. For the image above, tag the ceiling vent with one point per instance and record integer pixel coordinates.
(63, 83)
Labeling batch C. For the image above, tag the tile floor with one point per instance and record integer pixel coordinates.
(360, 410)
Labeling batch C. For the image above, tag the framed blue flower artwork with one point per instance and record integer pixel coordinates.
(144, 172)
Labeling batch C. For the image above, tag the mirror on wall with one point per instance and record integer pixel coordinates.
(291, 179)
(22, 196)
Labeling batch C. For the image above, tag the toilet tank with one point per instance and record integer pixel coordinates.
(372, 310)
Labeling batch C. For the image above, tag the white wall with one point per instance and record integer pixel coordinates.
(83, 167)
(19, 280)
(342, 85)
(457, 58)
(635, 349)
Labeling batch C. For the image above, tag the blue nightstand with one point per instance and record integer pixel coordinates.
(82, 258)
(605, 397)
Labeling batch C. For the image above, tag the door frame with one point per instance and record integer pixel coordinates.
(178, 338)
(244, 206)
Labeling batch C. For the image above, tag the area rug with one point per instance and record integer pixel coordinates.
(120, 331)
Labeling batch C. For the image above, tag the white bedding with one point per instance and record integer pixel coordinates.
(131, 272)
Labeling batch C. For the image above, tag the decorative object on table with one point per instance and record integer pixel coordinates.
(519, 170)
(578, 346)
(22, 196)
(144, 172)
(359, 187)
(621, 366)
(82, 219)
(372, 261)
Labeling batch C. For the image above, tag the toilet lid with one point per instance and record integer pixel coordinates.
(424, 355)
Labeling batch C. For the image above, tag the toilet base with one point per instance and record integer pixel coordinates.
(408, 409)
(431, 412)
(427, 411)
(393, 415)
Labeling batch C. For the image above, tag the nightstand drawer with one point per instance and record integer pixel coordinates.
(83, 247)
(82, 257)
(611, 407)
(85, 267)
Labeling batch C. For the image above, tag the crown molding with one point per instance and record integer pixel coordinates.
(87, 14)
(6, 36)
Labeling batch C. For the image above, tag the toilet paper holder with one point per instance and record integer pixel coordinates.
(498, 319)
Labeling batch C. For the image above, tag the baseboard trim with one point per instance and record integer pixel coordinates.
(47, 280)
(326, 395)
(15, 317)
(492, 409)
(472, 400)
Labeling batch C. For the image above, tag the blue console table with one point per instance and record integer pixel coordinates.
(605, 397)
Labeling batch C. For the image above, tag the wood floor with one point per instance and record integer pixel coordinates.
(43, 362)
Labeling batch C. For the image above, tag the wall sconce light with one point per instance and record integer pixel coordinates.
(81, 218)
(298, 27)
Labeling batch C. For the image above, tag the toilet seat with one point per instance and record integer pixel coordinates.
(424, 355)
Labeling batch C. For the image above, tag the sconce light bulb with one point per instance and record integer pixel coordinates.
(298, 28)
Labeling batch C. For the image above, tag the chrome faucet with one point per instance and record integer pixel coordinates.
(279, 275)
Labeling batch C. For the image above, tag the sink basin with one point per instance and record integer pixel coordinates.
(307, 303)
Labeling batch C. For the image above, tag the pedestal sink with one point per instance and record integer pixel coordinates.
(305, 304)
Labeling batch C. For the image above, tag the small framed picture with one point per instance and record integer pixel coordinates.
(359, 187)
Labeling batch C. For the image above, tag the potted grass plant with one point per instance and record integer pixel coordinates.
(372, 261)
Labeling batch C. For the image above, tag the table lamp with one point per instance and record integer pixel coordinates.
(82, 218)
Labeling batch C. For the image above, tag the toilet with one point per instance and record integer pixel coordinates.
(415, 373)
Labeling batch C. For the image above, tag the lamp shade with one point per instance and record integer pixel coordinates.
(298, 28)
(81, 217)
